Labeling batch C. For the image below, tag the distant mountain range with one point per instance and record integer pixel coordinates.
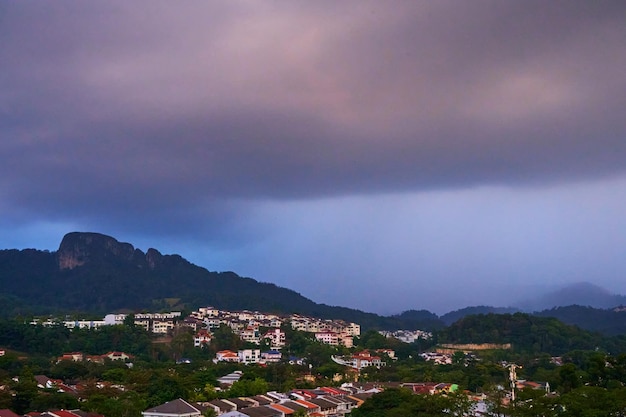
(581, 293)
(95, 274)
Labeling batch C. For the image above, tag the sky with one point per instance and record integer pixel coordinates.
(384, 156)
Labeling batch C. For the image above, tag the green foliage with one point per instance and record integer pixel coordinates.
(527, 333)
(25, 392)
(127, 404)
(225, 339)
(402, 402)
(55, 340)
(246, 388)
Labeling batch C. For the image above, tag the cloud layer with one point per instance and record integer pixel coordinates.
(185, 120)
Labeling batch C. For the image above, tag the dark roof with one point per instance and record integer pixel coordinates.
(224, 407)
(261, 412)
(324, 404)
(334, 399)
(263, 400)
(294, 405)
(362, 395)
(348, 399)
(178, 406)
(240, 402)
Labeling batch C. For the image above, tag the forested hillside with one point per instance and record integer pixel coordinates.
(528, 333)
(96, 274)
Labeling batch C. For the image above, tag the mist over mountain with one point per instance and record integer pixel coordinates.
(581, 293)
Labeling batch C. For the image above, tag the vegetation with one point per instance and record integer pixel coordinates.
(528, 334)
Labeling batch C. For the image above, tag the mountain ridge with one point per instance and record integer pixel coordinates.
(95, 273)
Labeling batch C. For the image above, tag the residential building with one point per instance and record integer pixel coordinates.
(248, 356)
(174, 408)
(276, 338)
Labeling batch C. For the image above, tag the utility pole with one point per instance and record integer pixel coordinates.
(513, 378)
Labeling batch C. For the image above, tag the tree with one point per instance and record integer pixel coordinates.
(402, 402)
(25, 392)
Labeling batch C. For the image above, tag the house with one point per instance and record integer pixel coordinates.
(233, 414)
(174, 408)
(241, 403)
(250, 334)
(248, 356)
(221, 406)
(285, 410)
(389, 352)
(193, 323)
(292, 405)
(226, 356)
(230, 378)
(328, 338)
(276, 338)
(364, 359)
(73, 356)
(44, 382)
(335, 339)
(202, 338)
(310, 407)
(261, 412)
(326, 406)
(117, 356)
(522, 383)
(263, 399)
(271, 356)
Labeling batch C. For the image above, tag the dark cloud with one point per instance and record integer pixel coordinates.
(166, 118)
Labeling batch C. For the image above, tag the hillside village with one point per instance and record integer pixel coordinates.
(253, 328)
(214, 362)
(248, 326)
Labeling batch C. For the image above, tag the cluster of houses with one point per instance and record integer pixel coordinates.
(407, 336)
(158, 323)
(437, 358)
(364, 359)
(246, 324)
(79, 357)
(248, 356)
(324, 401)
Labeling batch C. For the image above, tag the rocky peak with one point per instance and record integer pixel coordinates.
(77, 248)
(153, 258)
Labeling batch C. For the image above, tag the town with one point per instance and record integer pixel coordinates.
(214, 362)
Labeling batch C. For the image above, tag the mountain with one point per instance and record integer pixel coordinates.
(606, 321)
(582, 293)
(456, 315)
(94, 273)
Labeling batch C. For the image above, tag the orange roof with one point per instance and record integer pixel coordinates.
(282, 408)
(307, 404)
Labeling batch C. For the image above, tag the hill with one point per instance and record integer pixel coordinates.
(456, 315)
(94, 273)
(581, 293)
(528, 333)
(606, 321)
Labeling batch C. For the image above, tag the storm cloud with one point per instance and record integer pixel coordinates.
(231, 131)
